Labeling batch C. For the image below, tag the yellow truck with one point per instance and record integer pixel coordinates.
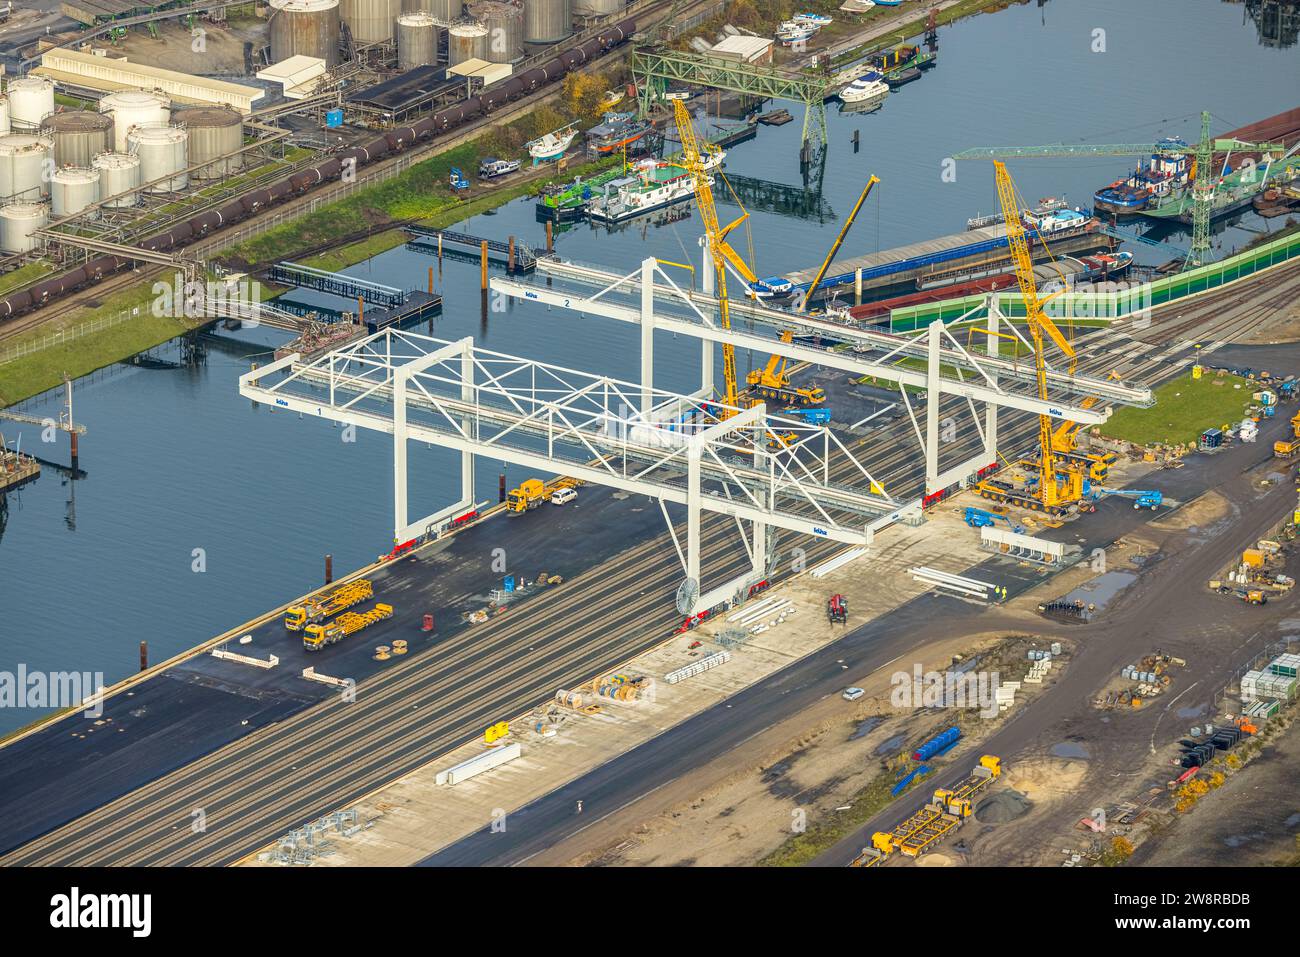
(534, 492)
(324, 604)
(1286, 450)
(318, 636)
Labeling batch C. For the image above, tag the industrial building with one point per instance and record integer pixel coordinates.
(104, 74)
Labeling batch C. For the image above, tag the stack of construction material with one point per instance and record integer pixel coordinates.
(1039, 669)
(1267, 685)
(698, 667)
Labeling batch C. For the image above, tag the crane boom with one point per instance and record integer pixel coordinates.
(839, 240)
(694, 164)
(1038, 324)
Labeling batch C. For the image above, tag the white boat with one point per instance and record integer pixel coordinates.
(653, 184)
(790, 32)
(816, 19)
(866, 88)
(552, 145)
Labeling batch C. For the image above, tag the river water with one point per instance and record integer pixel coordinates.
(197, 511)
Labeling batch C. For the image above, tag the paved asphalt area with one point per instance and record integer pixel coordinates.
(1166, 609)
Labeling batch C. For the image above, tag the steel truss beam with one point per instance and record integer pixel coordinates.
(676, 448)
(991, 378)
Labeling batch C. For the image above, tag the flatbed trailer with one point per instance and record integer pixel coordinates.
(317, 637)
(323, 604)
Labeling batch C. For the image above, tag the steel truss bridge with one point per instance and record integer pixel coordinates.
(759, 468)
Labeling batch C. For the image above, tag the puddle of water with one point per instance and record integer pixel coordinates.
(866, 726)
(892, 746)
(1293, 820)
(1193, 712)
(1102, 589)
(1070, 749)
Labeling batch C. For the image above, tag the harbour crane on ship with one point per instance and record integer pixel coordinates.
(1205, 181)
(1056, 486)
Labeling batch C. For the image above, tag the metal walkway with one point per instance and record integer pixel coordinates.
(524, 259)
(337, 284)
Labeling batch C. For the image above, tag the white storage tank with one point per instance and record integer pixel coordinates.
(466, 41)
(131, 108)
(417, 41)
(162, 152)
(17, 223)
(547, 21)
(597, 8)
(305, 28)
(24, 159)
(214, 131)
(4, 114)
(31, 99)
(444, 11)
(119, 175)
(72, 189)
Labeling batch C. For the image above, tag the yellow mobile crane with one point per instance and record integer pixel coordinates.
(693, 162)
(1045, 492)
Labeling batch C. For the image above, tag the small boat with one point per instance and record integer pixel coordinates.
(816, 19)
(775, 288)
(611, 99)
(889, 3)
(790, 33)
(491, 167)
(616, 131)
(552, 145)
(1156, 178)
(868, 87)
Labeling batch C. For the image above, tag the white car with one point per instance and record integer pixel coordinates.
(563, 496)
(852, 694)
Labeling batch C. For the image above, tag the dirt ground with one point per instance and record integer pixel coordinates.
(223, 53)
(750, 813)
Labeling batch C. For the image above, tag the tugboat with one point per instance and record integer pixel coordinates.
(616, 131)
(653, 185)
(550, 147)
(1157, 178)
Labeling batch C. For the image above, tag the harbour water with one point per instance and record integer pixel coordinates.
(198, 511)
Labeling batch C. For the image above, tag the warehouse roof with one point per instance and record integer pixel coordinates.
(109, 74)
(743, 47)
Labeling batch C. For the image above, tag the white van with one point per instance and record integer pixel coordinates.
(563, 496)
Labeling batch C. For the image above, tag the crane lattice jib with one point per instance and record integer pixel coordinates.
(694, 163)
(1024, 264)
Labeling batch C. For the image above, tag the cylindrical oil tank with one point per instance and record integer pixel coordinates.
(214, 131)
(72, 189)
(466, 41)
(305, 28)
(162, 152)
(119, 175)
(79, 136)
(31, 99)
(505, 26)
(22, 166)
(547, 21)
(134, 108)
(17, 223)
(444, 11)
(597, 8)
(417, 40)
(4, 114)
(371, 21)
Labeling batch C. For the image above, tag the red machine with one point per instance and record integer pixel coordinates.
(837, 610)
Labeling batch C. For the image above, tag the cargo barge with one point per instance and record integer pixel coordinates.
(902, 269)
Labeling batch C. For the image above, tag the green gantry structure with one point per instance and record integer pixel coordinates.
(654, 67)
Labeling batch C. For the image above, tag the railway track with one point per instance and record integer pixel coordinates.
(332, 753)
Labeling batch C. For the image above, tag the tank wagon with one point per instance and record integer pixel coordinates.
(328, 168)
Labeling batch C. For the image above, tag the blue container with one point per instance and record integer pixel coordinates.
(334, 118)
(937, 745)
(919, 771)
(510, 583)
